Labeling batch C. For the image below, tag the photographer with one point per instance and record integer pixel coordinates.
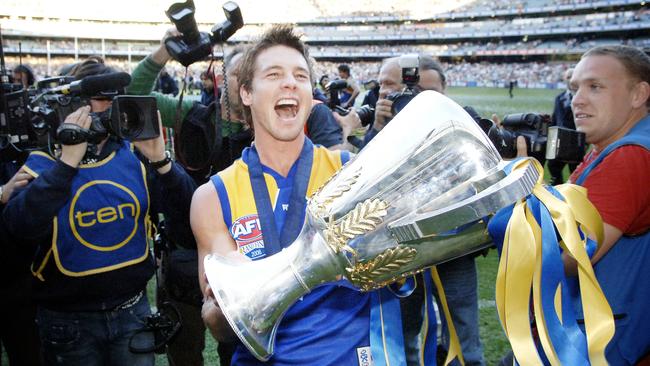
(233, 134)
(390, 81)
(18, 334)
(220, 125)
(459, 276)
(611, 96)
(562, 117)
(348, 95)
(88, 213)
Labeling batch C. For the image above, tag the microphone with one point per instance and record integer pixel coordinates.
(94, 85)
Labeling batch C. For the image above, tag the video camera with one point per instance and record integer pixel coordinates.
(365, 112)
(193, 45)
(410, 78)
(33, 119)
(543, 142)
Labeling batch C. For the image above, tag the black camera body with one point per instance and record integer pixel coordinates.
(532, 126)
(366, 113)
(410, 78)
(565, 144)
(130, 117)
(332, 88)
(33, 119)
(193, 45)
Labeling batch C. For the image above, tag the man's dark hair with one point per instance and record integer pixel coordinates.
(344, 68)
(25, 69)
(635, 61)
(207, 75)
(426, 62)
(279, 35)
(320, 81)
(93, 65)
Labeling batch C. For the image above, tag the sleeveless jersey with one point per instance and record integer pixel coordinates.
(328, 326)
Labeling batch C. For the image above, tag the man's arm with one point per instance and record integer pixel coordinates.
(211, 236)
(143, 81)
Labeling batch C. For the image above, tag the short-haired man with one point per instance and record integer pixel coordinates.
(330, 324)
(349, 94)
(611, 95)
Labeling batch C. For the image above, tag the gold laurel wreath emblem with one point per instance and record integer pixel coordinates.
(363, 275)
(365, 217)
(320, 208)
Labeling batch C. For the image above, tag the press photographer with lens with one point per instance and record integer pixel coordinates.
(87, 214)
(400, 80)
(207, 138)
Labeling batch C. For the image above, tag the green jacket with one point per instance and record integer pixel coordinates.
(143, 80)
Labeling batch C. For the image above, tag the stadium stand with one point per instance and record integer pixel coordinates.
(480, 42)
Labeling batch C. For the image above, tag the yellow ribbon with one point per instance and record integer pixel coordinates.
(455, 350)
(520, 270)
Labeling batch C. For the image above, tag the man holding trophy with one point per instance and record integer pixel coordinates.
(276, 92)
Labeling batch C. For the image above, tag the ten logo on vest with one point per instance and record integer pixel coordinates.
(104, 215)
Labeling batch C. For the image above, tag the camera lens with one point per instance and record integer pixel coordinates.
(131, 119)
(366, 114)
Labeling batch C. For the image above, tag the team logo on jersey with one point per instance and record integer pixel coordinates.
(248, 235)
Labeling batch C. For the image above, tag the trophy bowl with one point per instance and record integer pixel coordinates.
(419, 194)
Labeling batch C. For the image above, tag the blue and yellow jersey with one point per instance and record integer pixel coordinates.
(238, 204)
(331, 324)
(104, 224)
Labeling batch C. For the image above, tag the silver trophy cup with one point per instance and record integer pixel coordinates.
(419, 194)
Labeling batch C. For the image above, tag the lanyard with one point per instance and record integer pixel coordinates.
(274, 241)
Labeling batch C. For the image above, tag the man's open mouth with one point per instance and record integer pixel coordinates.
(286, 108)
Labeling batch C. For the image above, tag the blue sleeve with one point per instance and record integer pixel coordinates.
(29, 213)
(172, 196)
(369, 136)
(322, 127)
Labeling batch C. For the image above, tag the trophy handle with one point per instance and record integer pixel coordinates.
(513, 187)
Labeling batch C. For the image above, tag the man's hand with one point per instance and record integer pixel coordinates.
(213, 317)
(160, 55)
(522, 146)
(20, 179)
(383, 113)
(154, 149)
(73, 154)
(348, 123)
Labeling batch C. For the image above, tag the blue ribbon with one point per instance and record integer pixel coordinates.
(295, 218)
(386, 336)
(430, 342)
(568, 340)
